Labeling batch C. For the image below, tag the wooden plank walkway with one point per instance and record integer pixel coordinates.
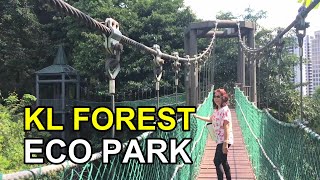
(237, 157)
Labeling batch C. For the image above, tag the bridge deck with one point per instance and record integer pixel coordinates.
(237, 157)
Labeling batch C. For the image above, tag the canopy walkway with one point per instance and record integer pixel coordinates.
(276, 150)
(265, 148)
(237, 157)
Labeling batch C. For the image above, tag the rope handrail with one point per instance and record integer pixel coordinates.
(58, 167)
(45, 170)
(260, 145)
(179, 166)
(286, 144)
(303, 14)
(309, 131)
(72, 11)
(313, 134)
(121, 102)
(196, 142)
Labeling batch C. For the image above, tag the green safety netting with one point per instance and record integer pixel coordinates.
(115, 170)
(277, 150)
(172, 100)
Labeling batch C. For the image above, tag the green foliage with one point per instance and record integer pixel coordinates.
(275, 88)
(252, 15)
(311, 113)
(11, 141)
(31, 29)
(148, 22)
(316, 93)
(23, 45)
(11, 132)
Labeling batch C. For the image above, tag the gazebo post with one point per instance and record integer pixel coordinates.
(63, 104)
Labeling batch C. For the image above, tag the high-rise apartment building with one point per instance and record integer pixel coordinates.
(307, 54)
(306, 67)
(315, 59)
(297, 77)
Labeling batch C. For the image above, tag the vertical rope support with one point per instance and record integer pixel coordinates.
(199, 82)
(204, 80)
(158, 62)
(197, 67)
(176, 68)
(206, 76)
(113, 48)
(187, 79)
(301, 26)
(279, 47)
(267, 96)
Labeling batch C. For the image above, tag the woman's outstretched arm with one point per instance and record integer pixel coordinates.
(207, 119)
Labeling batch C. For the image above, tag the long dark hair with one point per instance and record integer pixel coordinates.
(224, 98)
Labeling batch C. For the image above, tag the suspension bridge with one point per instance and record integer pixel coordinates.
(265, 147)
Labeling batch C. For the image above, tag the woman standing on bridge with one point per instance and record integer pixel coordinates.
(222, 123)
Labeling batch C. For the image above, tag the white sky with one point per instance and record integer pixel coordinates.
(280, 13)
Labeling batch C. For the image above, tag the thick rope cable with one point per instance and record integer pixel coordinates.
(260, 145)
(300, 16)
(66, 165)
(104, 29)
(72, 11)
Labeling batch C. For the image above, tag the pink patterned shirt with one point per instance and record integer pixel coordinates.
(218, 117)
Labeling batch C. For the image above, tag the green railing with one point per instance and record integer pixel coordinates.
(277, 150)
(172, 100)
(115, 170)
(55, 103)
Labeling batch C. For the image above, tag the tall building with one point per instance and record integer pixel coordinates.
(310, 78)
(306, 67)
(315, 59)
(307, 54)
(297, 77)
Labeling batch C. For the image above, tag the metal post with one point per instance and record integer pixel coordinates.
(207, 77)
(158, 94)
(259, 89)
(114, 48)
(176, 68)
(245, 66)
(194, 69)
(112, 91)
(78, 99)
(191, 48)
(241, 68)
(187, 81)
(267, 97)
(301, 88)
(301, 25)
(158, 62)
(253, 72)
(63, 104)
(187, 67)
(204, 82)
(199, 83)
(37, 90)
(279, 46)
(212, 69)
